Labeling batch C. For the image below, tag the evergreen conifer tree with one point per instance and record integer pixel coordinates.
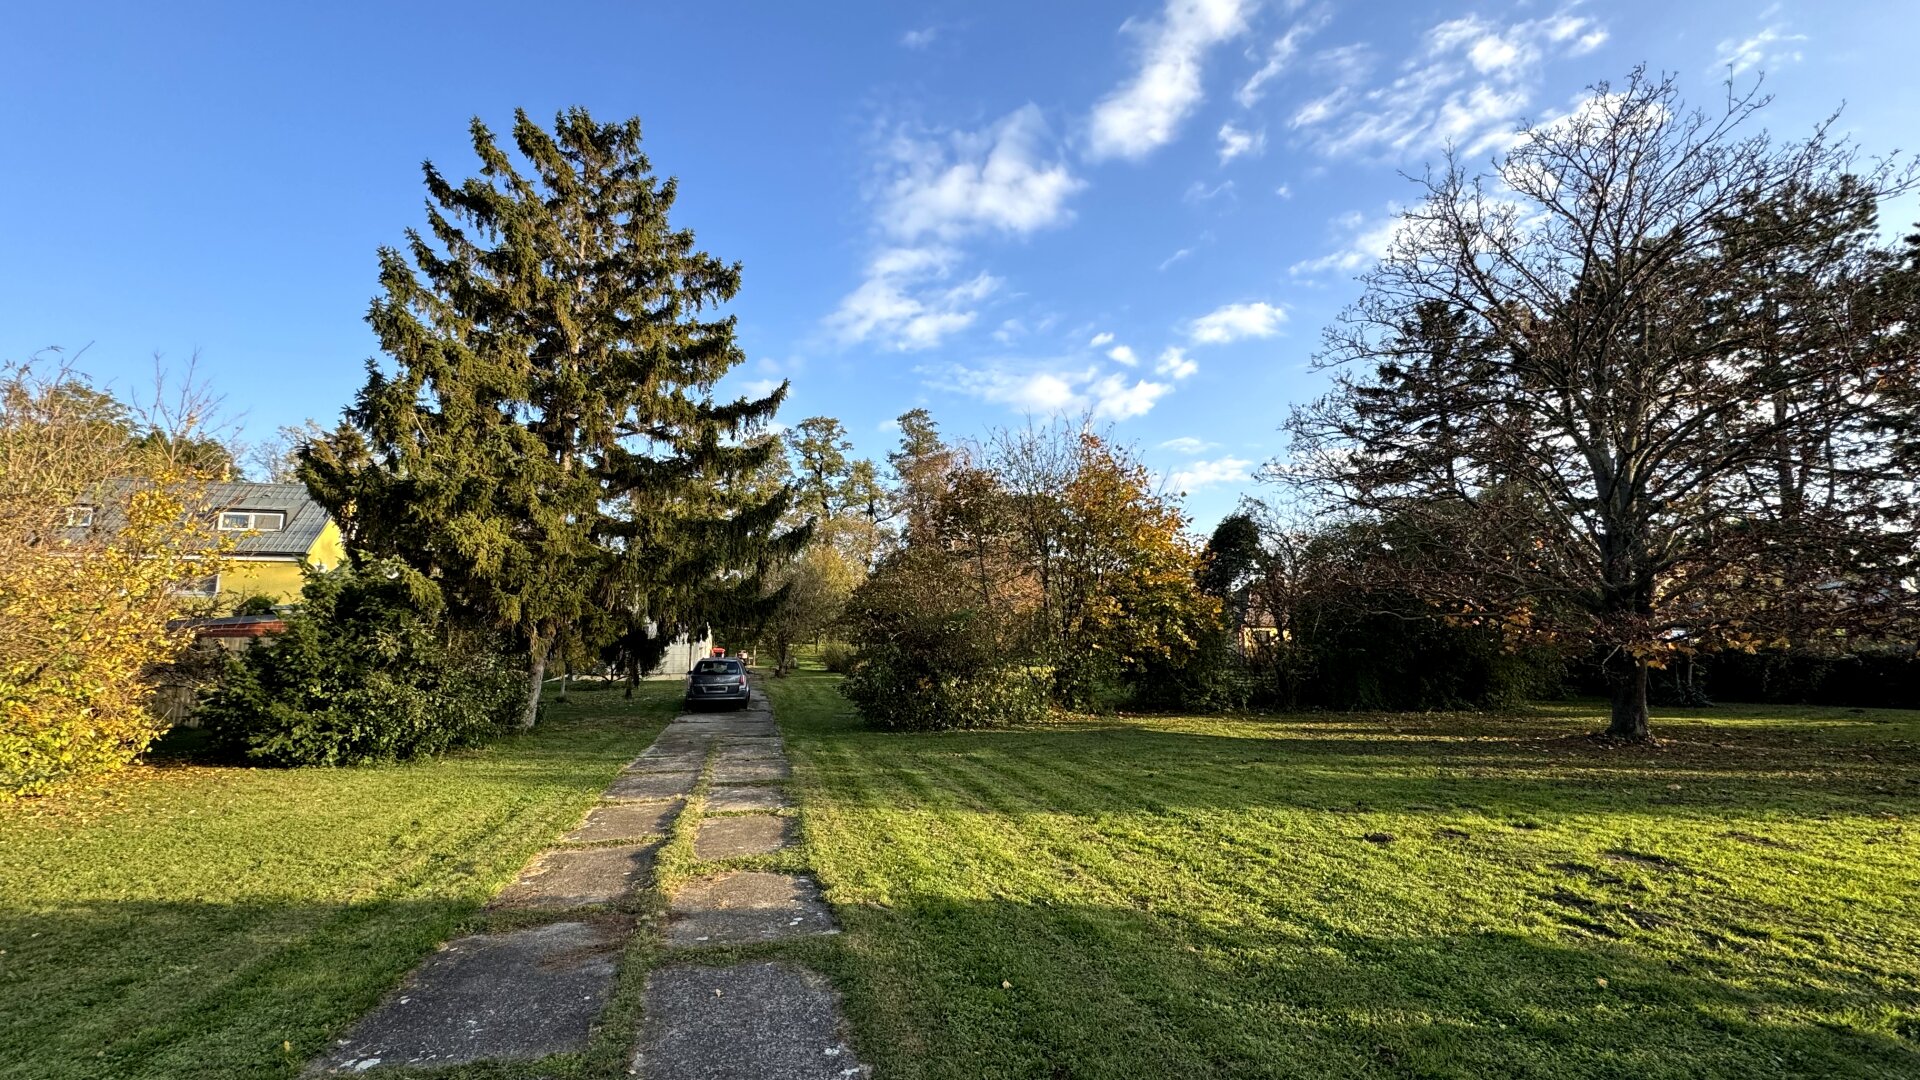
(556, 349)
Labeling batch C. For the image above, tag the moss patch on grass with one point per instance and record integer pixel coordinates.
(1346, 896)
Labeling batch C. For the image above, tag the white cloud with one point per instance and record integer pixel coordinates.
(759, 388)
(1007, 178)
(1099, 339)
(919, 39)
(933, 192)
(1122, 354)
(1198, 192)
(1202, 474)
(1364, 241)
(1145, 113)
(905, 304)
(1235, 142)
(1187, 444)
(1285, 191)
(1236, 321)
(1174, 362)
(1279, 54)
(1772, 46)
(1175, 257)
(1116, 399)
(1054, 390)
(1469, 86)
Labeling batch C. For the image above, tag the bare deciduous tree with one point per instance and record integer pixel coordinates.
(1633, 388)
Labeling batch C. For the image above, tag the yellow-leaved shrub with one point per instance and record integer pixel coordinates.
(100, 533)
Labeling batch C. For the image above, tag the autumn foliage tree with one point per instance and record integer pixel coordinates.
(103, 526)
(1643, 387)
(1044, 558)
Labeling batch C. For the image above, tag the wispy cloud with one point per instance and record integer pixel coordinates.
(1238, 142)
(1363, 241)
(1049, 389)
(1198, 192)
(1175, 364)
(920, 39)
(1006, 178)
(1122, 354)
(1145, 113)
(907, 302)
(1234, 322)
(1279, 55)
(1102, 338)
(1175, 257)
(1187, 444)
(935, 191)
(1468, 86)
(1205, 474)
(1771, 47)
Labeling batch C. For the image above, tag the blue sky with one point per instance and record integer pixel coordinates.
(1145, 209)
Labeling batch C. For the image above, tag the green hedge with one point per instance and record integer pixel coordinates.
(363, 673)
(894, 693)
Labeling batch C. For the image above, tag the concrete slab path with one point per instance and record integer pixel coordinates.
(531, 992)
(760, 1021)
(514, 996)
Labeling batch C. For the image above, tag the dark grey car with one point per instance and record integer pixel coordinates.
(721, 680)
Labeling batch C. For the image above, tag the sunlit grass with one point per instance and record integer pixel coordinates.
(1339, 895)
(192, 921)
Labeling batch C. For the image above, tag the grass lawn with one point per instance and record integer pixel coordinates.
(1344, 896)
(189, 921)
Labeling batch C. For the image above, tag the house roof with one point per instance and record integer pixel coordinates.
(305, 518)
(304, 522)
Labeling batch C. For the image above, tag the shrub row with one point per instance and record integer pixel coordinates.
(364, 672)
(896, 694)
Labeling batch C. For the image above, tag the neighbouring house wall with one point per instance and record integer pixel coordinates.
(329, 551)
(281, 579)
(680, 656)
(278, 578)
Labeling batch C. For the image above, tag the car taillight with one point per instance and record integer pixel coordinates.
(740, 679)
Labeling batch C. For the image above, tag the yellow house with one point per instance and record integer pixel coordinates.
(281, 529)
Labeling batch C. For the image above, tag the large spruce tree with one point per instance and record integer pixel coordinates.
(554, 347)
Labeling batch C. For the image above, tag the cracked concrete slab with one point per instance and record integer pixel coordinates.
(518, 996)
(737, 726)
(728, 799)
(750, 771)
(734, 837)
(758, 1021)
(747, 906)
(767, 744)
(625, 821)
(577, 877)
(687, 761)
(642, 786)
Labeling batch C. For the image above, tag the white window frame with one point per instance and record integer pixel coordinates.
(252, 520)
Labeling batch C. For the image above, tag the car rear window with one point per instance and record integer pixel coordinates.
(717, 667)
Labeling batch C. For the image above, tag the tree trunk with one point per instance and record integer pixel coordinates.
(1627, 677)
(537, 656)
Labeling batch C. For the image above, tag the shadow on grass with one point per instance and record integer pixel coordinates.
(1526, 764)
(962, 988)
(148, 989)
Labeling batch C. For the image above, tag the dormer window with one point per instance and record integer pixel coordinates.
(252, 521)
(79, 517)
